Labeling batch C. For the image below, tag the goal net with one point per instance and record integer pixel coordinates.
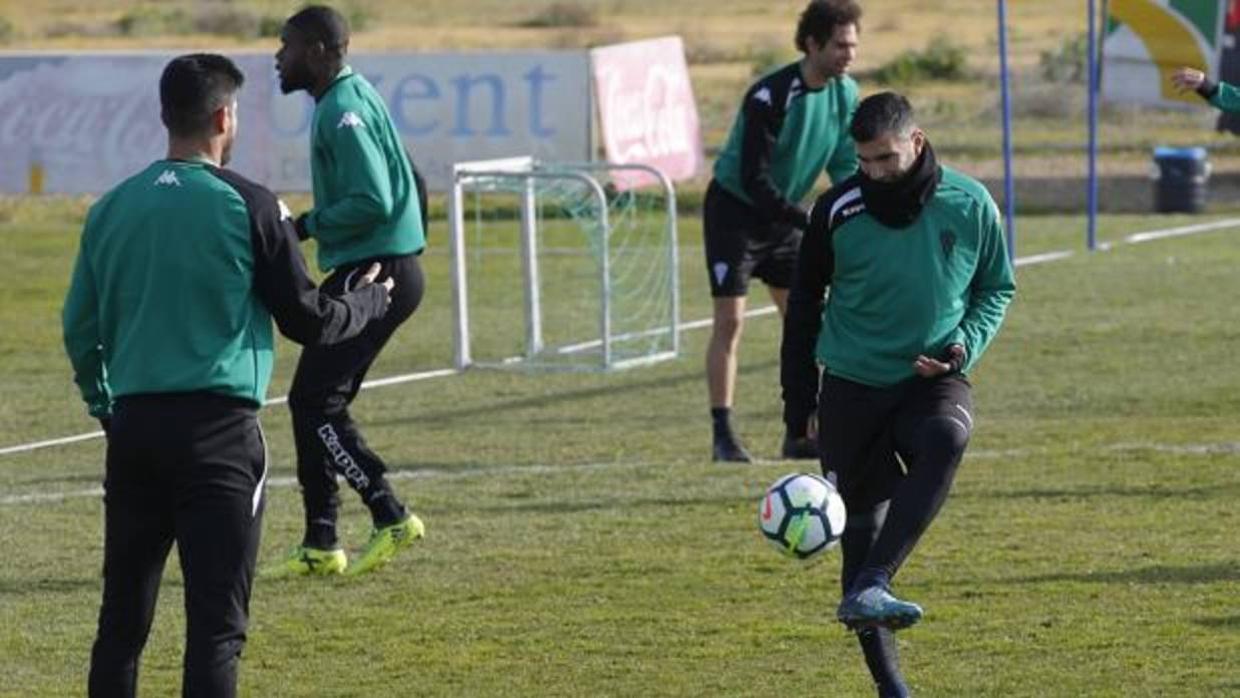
(562, 265)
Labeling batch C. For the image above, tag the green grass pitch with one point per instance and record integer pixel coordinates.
(579, 543)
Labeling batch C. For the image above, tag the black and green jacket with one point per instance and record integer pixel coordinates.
(366, 200)
(179, 273)
(784, 136)
(895, 292)
(1221, 95)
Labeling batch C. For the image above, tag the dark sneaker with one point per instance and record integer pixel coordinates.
(728, 450)
(799, 448)
(875, 605)
(893, 691)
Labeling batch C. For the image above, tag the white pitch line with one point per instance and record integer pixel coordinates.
(1135, 238)
(1199, 449)
(1181, 231)
(380, 382)
(50, 442)
(420, 474)
(376, 383)
(1042, 258)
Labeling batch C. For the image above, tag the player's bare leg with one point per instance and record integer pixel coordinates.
(721, 353)
(779, 296)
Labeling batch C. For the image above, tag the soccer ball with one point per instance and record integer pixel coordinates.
(802, 515)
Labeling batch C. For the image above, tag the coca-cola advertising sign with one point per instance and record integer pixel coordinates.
(647, 113)
(86, 122)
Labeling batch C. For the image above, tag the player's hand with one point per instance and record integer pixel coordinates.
(303, 232)
(373, 273)
(952, 361)
(1187, 79)
(927, 367)
(803, 225)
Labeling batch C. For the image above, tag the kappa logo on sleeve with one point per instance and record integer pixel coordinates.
(285, 214)
(350, 120)
(168, 178)
(763, 95)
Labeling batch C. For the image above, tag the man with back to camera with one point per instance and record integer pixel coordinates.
(366, 211)
(167, 323)
(916, 261)
(791, 126)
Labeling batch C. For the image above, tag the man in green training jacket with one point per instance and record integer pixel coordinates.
(792, 125)
(1219, 94)
(167, 323)
(367, 210)
(917, 266)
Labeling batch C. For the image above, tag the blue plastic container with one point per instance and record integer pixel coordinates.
(1181, 176)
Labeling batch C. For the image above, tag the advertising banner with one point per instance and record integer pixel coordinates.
(647, 113)
(81, 122)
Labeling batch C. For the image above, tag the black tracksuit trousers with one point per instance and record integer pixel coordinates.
(188, 468)
(901, 443)
(328, 378)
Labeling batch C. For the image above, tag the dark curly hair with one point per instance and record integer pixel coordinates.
(821, 17)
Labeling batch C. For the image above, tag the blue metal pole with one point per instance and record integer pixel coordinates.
(1009, 186)
(1092, 191)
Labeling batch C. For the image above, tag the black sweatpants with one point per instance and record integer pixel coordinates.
(327, 380)
(189, 468)
(901, 443)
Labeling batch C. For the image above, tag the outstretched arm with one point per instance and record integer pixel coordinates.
(1219, 94)
(283, 283)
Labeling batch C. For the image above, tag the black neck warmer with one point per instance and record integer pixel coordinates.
(897, 204)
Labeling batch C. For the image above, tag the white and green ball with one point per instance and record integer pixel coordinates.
(802, 515)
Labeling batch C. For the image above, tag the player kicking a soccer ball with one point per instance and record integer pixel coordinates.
(366, 211)
(917, 265)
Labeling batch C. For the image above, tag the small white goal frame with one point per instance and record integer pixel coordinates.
(526, 170)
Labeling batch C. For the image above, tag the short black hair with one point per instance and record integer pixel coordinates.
(821, 17)
(324, 24)
(193, 87)
(879, 114)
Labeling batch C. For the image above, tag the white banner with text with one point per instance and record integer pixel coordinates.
(82, 122)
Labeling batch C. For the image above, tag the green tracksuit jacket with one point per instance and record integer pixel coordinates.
(784, 136)
(366, 202)
(180, 270)
(1221, 95)
(895, 293)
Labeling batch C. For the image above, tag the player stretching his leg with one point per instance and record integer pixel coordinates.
(366, 210)
(917, 264)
